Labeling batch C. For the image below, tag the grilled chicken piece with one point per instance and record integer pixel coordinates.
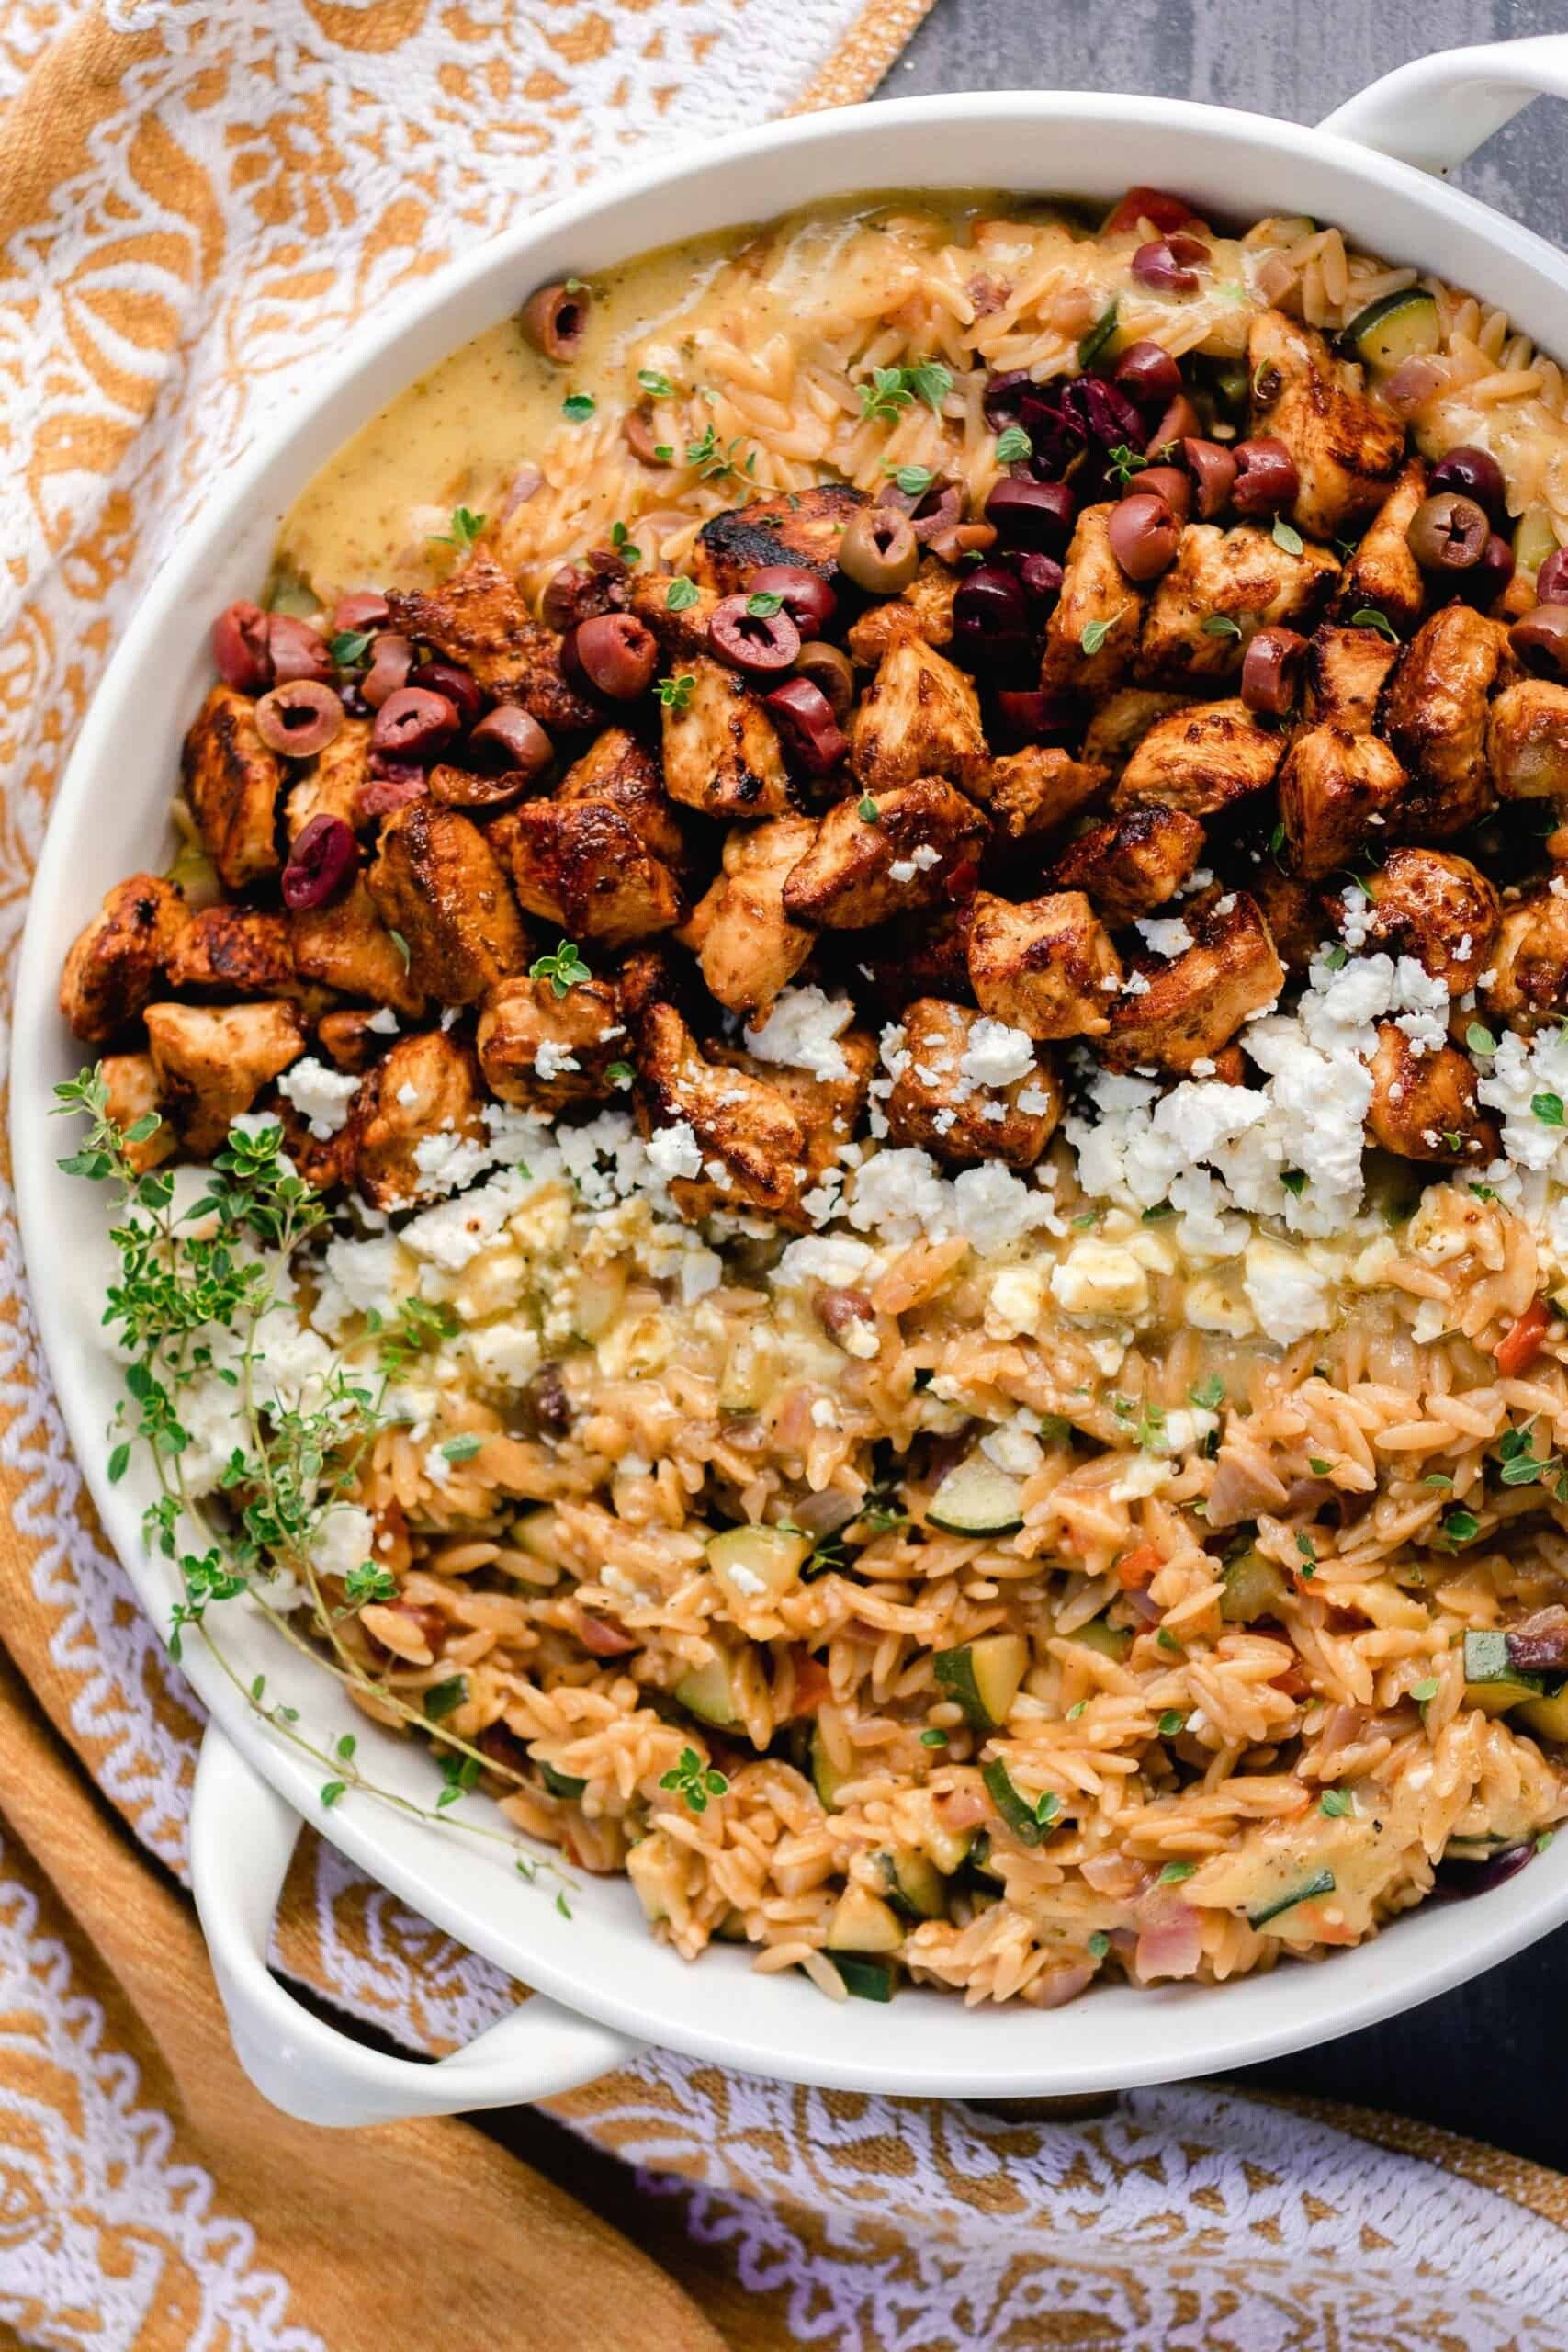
(352, 1040)
(745, 944)
(1435, 714)
(1437, 907)
(1119, 724)
(918, 959)
(1202, 760)
(212, 1061)
(1333, 787)
(828, 1109)
(130, 1085)
(799, 526)
(859, 871)
(1528, 968)
(346, 945)
(936, 1106)
(919, 717)
(437, 883)
(425, 1091)
(1526, 739)
(924, 610)
(1242, 576)
(478, 619)
(536, 1046)
(1133, 862)
(1035, 791)
(241, 951)
(1047, 966)
(331, 787)
(231, 782)
(118, 960)
(721, 752)
(1096, 594)
(1345, 671)
(1347, 447)
(681, 629)
(1382, 576)
(618, 770)
(1424, 1105)
(1192, 1005)
(751, 1147)
(1290, 910)
(584, 866)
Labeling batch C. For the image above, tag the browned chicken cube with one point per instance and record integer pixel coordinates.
(423, 1092)
(1098, 600)
(1347, 447)
(681, 628)
(1424, 1105)
(745, 944)
(1347, 669)
(1191, 1005)
(212, 1061)
(478, 619)
(116, 961)
(536, 1046)
(584, 866)
(346, 945)
(717, 1133)
(354, 1039)
(919, 717)
(332, 784)
(623, 773)
(1120, 723)
(1435, 712)
(1437, 907)
(1133, 862)
(1526, 739)
(1290, 910)
(929, 957)
(924, 610)
(1047, 966)
(1336, 792)
(1528, 975)
(798, 527)
(1201, 759)
(1382, 576)
(130, 1087)
(826, 1108)
(437, 883)
(1035, 791)
(936, 1105)
(1222, 588)
(231, 782)
(721, 751)
(240, 951)
(868, 868)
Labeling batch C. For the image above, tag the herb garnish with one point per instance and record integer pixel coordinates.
(564, 970)
(695, 1780)
(682, 594)
(578, 407)
(465, 529)
(655, 384)
(676, 693)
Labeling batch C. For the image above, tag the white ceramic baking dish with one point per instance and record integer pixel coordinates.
(607, 1984)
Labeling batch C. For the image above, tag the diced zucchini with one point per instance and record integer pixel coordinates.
(1320, 1882)
(757, 1564)
(533, 1531)
(984, 1676)
(750, 1373)
(1394, 328)
(560, 1784)
(863, 1922)
(826, 1777)
(1534, 539)
(1108, 1641)
(1491, 1684)
(708, 1692)
(867, 1980)
(913, 1885)
(977, 1499)
(948, 1849)
(1255, 1587)
(1015, 1810)
(195, 876)
(1547, 1718)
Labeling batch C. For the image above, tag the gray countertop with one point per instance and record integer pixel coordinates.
(1488, 2060)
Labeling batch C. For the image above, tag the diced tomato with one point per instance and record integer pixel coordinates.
(1155, 204)
(1134, 1568)
(1518, 1348)
(812, 1682)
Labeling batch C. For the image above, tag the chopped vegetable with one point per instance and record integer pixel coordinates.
(984, 1676)
(977, 1499)
(1520, 1344)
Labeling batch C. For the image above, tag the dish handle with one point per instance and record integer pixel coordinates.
(1436, 111)
(242, 1836)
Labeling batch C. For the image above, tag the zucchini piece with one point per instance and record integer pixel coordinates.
(867, 1980)
(1106, 1640)
(949, 1849)
(1489, 1682)
(1534, 539)
(1394, 328)
(1015, 1810)
(912, 1884)
(709, 1693)
(750, 1373)
(977, 1499)
(826, 1777)
(979, 1858)
(1320, 1882)
(560, 1784)
(1255, 1587)
(863, 1922)
(984, 1676)
(758, 1564)
(533, 1531)
(1547, 1718)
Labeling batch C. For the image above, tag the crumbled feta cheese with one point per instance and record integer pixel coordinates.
(1146, 1475)
(505, 1355)
(824, 1413)
(996, 1054)
(802, 1032)
(383, 1021)
(452, 1235)
(992, 1208)
(1168, 936)
(903, 869)
(901, 1195)
(1289, 1296)
(321, 1096)
(675, 1151)
(1099, 1278)
(1014, 1302)
(345, 1540)
(1013, 1450)
(552, 1060)
(832, 1258)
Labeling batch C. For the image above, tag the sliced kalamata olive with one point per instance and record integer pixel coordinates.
(954, 541)
(1540, 641)
(812, 738)
(415, 724)
(1033, 515)
(879, 551)
(641, 437)
(612, 654)
(322, 863)
(1541, 1644)
(1271, 671)
(1448, 532)
(1178, 421)
(1266, 479)
(460, 687)
(561, 606)
(763, 645)
(1164, 482)
(831, 672)
(1457, 1876)
(1473, 474)
(1213, 469)
(990, 614)
(389, 666)
(1143, 536)
(1002, 401)
(1155, 205)
(298, 651)
(299, 719)
(805, 595)
(508, 739)
(553, 318)
(1106, 416)
(1156, 266)
(240, 647)
(933, 518)
(1551, 580)
(1484, 582)
(363, 608)
(1147, 374)
(1040, 576)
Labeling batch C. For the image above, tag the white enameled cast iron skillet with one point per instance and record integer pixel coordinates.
(603, 1984)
